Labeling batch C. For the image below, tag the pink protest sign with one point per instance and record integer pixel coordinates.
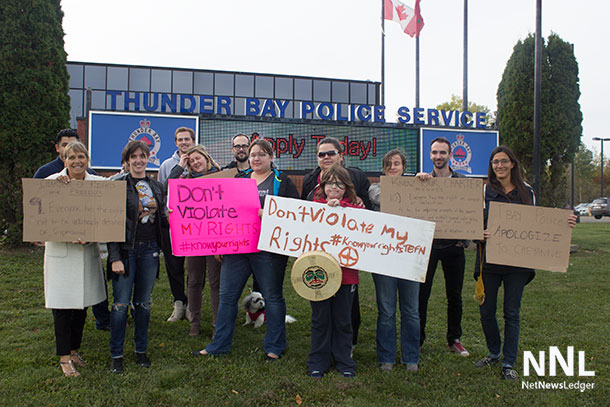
(213, 216)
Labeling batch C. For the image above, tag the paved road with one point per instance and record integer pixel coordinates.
(591, 219)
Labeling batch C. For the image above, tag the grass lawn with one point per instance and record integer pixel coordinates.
(561, 310)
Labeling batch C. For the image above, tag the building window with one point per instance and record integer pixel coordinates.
(223, 84)
(161, 81)
(321, 91)
(302, 89)
(183, 82)
(95, 77)
(244, 85)
(264, 87)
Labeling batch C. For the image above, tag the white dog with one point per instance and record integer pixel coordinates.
(254, 305)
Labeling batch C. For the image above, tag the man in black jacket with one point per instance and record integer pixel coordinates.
(450, 252)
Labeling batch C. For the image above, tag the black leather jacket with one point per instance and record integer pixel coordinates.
(131, 216)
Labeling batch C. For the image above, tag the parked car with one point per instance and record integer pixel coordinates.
(582, 209)
(600, 207)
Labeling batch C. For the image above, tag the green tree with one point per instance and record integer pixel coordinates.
(456, 104)
(34, 102)
(561, 117)
(586, 186)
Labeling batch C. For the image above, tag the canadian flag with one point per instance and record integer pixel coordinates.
(410, 20)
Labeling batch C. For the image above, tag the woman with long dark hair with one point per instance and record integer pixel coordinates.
(134, 263)
(268, 268)
(505, 184)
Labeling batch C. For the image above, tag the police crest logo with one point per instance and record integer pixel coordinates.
(316, 275)
(150, 137)
(461, 154)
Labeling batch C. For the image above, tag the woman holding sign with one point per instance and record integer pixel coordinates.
(199, 163)
(505, 184)
(394, 165)
(134, 263)
(73, 274)
(268, 268)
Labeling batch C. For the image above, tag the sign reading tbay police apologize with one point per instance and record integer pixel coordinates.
(213, 216)
(358, 238)
(529, 236)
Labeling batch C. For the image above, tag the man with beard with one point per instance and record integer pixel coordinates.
(184, 139)
(240, 146)
(450, 252)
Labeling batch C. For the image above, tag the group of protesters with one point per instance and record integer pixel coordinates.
(133, 264)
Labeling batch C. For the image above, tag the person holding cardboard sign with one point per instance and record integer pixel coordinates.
(386, 287)
(505, 184)
(268, 267)
(134, 263)
(197, 163)
(73, 273)
(450, 253)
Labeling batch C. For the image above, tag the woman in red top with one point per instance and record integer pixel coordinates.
(331, 327)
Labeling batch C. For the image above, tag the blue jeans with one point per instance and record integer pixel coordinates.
(408, 293)
(513, 291)
(141, 265)
(268, 269)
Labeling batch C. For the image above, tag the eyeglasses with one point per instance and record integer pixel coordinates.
(504, 161)
(241, 146)
(330, 153)
(336, 184)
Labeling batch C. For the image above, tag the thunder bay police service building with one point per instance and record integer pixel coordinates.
(112, 104)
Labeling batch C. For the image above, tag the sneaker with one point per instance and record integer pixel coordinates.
(178, 312)
(412, 367)
(116, 366)
(142, 360)
(508, 373)
(458, 348)
(316, 374)
(386, 367)
(486, 361)
(349, 375)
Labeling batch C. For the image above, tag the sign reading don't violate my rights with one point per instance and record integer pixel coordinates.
(358, 238)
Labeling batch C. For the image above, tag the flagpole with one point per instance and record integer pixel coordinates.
(417, 70)
(465, 80)
(382, 53)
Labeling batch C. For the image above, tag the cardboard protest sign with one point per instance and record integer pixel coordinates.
(93, 211)
(358, 238)
(528, 236)
(455, 204)
(213, 216)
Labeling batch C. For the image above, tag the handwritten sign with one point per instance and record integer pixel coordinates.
(528, 236)
(213, 216)
(371, 241)
(93, 211)
(455, 204)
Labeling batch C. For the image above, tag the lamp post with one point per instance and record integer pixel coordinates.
(601, 141)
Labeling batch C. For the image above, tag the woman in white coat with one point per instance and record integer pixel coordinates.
(73, 274)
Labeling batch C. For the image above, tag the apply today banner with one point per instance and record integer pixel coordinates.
(213, 216)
